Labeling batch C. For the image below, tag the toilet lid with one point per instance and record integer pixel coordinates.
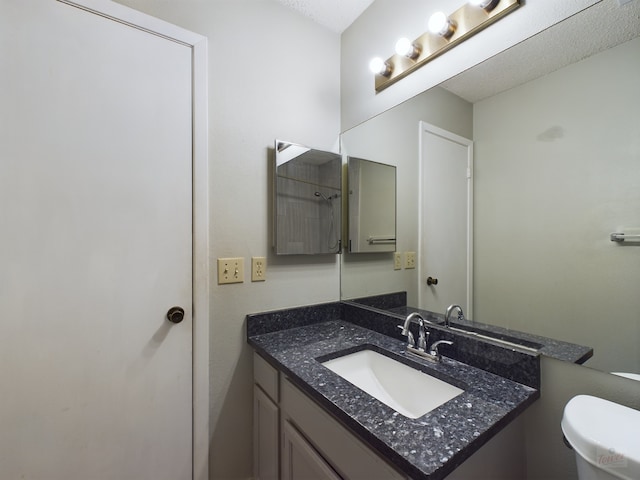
(605, 434)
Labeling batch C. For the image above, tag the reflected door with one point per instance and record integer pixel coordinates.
(445, 267)
(95, 248)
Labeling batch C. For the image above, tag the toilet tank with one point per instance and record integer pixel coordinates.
(605, 437)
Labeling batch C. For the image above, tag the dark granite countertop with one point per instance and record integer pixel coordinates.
(429, 447)
(565, 351)
(395, 303)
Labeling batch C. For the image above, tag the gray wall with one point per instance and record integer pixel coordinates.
(272, 74)
(393, 138)
(556, 163)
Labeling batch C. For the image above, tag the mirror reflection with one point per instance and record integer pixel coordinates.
(557, 170)
(307, 206)
(371, 206)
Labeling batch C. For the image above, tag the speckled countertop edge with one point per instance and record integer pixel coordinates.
(429, 447)
(558, 349)
(396, 303)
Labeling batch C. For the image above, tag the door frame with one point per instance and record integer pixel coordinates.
(424, 128)
(200, 204)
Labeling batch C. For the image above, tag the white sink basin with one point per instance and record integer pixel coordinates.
(407, 390)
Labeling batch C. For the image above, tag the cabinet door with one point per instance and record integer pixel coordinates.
(265, 436)
(300, 460)
(350, 457)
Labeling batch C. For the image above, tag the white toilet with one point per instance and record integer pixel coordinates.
(632, 376)
(605, 437)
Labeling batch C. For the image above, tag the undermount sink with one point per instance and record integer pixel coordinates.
(407, 390)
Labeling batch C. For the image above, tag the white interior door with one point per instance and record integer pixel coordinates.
(446, 228)
(95, 247)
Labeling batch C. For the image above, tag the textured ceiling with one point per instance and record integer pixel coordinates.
(334, 14)
(602, 26)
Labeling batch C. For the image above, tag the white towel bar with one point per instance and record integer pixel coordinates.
(374, 239)
(621, 237)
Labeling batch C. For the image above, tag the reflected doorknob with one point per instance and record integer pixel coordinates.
(175, 314)
(432, 281)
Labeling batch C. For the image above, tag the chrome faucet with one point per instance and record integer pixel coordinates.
(450, 310)
(423, 333)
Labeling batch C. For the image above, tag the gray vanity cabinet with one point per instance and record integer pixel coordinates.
(266, 426)
(299, 458)
(295, 438)
(266, 421)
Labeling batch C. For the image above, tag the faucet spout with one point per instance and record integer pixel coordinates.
(450, 310)
(423, 334)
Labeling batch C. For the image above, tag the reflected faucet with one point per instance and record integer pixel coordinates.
(450, 310)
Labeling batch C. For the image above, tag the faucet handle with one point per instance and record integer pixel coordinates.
(411, 341)
(434, 347)
(423, 336)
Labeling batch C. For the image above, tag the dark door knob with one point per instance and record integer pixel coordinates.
(432, 281)
(175, 315)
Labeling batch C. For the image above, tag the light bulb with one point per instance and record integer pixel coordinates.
(439, 24)
(486, 4)
(379, 66)
(406, 48)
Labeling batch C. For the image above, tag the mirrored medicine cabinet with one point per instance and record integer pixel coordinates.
(308, 201)
(372, 206)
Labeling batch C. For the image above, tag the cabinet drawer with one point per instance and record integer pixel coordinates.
(348, 455)
(266, 377)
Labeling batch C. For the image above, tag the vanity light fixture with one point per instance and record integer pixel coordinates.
(444, 32)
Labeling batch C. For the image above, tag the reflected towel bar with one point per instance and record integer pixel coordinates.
(621, 237)
(376, 240)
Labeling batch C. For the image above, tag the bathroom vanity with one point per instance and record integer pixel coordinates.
(309, 422)
(313, 443)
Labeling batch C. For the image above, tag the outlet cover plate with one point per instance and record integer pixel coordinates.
(410, 260)
(258, 269)
(397, 261)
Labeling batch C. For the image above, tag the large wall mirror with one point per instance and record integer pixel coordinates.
(371, 206)
(556, 136)
(308, 204)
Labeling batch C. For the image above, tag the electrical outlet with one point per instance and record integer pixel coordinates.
(230, 270)
(397, 261)
(410, 260)
(258, 269)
